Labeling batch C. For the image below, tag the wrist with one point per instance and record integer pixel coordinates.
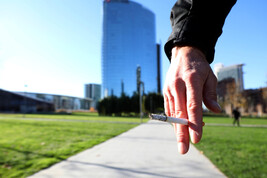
(188, 51)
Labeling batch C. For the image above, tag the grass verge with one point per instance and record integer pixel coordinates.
(236, 151)
(229, 120)
(27, 146)
(74, 116)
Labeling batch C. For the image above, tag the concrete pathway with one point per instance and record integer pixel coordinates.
(149, 150)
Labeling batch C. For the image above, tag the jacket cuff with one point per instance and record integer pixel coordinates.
(187, 41)
(198, 24)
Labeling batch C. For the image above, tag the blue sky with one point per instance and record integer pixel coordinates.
(54, 46)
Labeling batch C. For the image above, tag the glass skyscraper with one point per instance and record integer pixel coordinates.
(128, 42)
(234, 71)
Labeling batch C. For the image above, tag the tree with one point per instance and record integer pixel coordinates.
(154, 103)
(125, 104)
(135, 103)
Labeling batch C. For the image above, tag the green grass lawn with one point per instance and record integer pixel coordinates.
(236, 151)
(27, 146)
(229, 120)
(76, 116)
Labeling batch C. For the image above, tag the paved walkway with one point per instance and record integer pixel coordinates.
(148, 150)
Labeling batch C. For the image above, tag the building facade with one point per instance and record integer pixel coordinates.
(22, 102)
(13, 102)
(62, 102)
(128, 42)
(93, 91)
(231, 93)
(234, 71)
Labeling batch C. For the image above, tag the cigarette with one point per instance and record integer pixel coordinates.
(168, 119)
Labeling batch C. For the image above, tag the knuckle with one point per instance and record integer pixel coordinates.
(193, 106)
(191, 76)
(195, 76)
(180, 113)
(171, 99)
(210, 95)
(180, 136)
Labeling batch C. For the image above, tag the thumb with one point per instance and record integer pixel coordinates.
(210, 94)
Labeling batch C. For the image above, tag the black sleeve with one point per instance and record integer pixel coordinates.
(198, 23)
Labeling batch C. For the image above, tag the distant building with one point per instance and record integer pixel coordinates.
(62, 102)
(231, 93)
(19, 103)
(158, 69)
(93, 92)
(230, 86)
(256, 101)
(234, 71)
(128, 42)
(227, 94)
(226, 86)
(41, 102)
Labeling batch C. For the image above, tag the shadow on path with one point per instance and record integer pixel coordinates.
(119, 168)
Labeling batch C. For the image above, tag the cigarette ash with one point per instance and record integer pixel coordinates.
(158, 117)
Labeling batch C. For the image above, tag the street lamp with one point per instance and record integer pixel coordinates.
(140, 89)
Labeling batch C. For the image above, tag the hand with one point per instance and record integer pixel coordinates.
(189, 81)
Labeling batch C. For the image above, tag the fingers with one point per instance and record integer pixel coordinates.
(175, 106)
(183, 94)
(169, 103)
(181, 131)
(166, 105)
(194, 89)
(182, 136)
(210, 95)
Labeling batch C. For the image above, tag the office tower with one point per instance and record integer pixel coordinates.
(158, 69)
(93, 91)
(128, 42)
(230, 72)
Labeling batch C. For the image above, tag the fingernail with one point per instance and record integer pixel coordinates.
(182, 148)
(195, 136)
(217, 105)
